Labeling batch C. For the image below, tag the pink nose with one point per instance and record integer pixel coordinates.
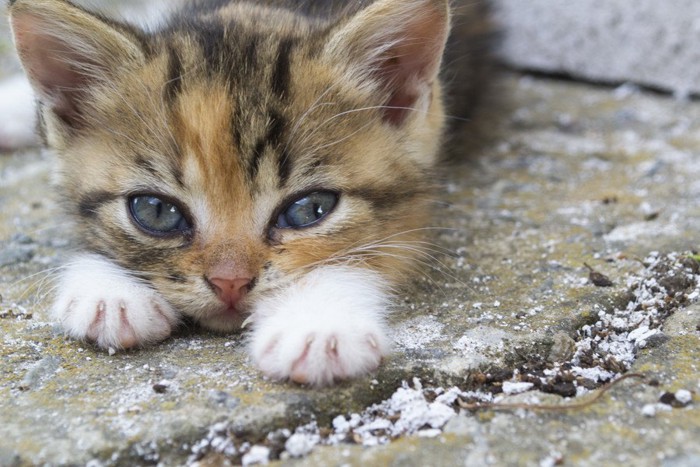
(231, 291)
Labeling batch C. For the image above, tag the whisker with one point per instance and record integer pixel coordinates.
(405, 232)
(441, 268)
(316, 104)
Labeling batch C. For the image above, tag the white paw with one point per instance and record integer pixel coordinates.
(17, 114)
(100, 302)
(320, 357)
(327, 327)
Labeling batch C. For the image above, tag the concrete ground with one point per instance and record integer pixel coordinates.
(564, 259)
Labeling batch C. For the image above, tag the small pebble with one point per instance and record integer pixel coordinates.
(649, 410)
(684, 396)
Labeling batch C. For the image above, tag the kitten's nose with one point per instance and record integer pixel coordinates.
(231, 291)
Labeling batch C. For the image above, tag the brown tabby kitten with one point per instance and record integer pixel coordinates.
(264, 160)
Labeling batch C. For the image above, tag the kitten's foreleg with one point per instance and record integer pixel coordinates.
(328, 326)
(100, 302)
(17, 114)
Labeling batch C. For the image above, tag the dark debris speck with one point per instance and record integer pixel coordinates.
(669, 398)
(598, 279)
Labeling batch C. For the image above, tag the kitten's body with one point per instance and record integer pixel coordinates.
(231, 120)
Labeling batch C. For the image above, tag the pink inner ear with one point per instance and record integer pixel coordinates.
(51, 64)
(412, 63)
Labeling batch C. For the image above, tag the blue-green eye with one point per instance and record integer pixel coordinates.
(157, 216)
(307, 210)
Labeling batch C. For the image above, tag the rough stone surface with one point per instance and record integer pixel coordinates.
(645, 42)
(569, 174)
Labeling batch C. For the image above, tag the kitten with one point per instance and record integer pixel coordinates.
(269, 162)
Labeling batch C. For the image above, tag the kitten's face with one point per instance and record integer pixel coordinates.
(234, 153)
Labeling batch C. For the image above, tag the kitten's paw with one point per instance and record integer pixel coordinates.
(321, 358)
(328, 327)
(100, 302)
(17, 114)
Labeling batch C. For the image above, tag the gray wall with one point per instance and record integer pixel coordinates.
(650, 42)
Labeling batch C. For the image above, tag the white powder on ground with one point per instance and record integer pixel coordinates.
(596, 374)
(620, 333)
(303, 440)
(257, 455)
(407, 412)
(617, 334)
(510, 387)
(480, 340)
(418, 333)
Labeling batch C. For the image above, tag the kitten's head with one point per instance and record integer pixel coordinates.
(237, 148)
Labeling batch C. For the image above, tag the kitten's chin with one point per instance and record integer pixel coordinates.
(225, 320)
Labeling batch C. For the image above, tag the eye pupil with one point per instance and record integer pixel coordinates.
(157, 216)
(307, 211)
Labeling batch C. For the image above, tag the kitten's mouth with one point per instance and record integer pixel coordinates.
(226, 318)
(232, 311)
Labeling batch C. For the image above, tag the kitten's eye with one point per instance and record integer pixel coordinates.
(307, 210)
(157, 216)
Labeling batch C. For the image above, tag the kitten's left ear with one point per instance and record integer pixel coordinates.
(397, 45)
(65, 51)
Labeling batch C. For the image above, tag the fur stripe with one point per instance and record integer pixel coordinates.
(173, 172)
(173, 85)
(214, 47)
(276, 128)
(178, 175)
(284, 167)
(254, 164)
(281, 74)
(236, 118)
(273, 140)
(386, 198)
(276, 137)
(146, 165)
(91, 202)
(250, 54)
(176, 278)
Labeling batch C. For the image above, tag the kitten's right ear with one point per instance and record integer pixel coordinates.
(65, 50)
(398, 46)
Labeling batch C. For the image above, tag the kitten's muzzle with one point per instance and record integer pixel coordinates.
(231, 291)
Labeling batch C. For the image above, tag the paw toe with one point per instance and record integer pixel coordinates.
(300, 366)
(127, 335)
(96, 328)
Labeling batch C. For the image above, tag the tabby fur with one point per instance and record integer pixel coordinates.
(233, 109)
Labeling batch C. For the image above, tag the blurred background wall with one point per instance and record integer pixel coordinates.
(649, 42)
